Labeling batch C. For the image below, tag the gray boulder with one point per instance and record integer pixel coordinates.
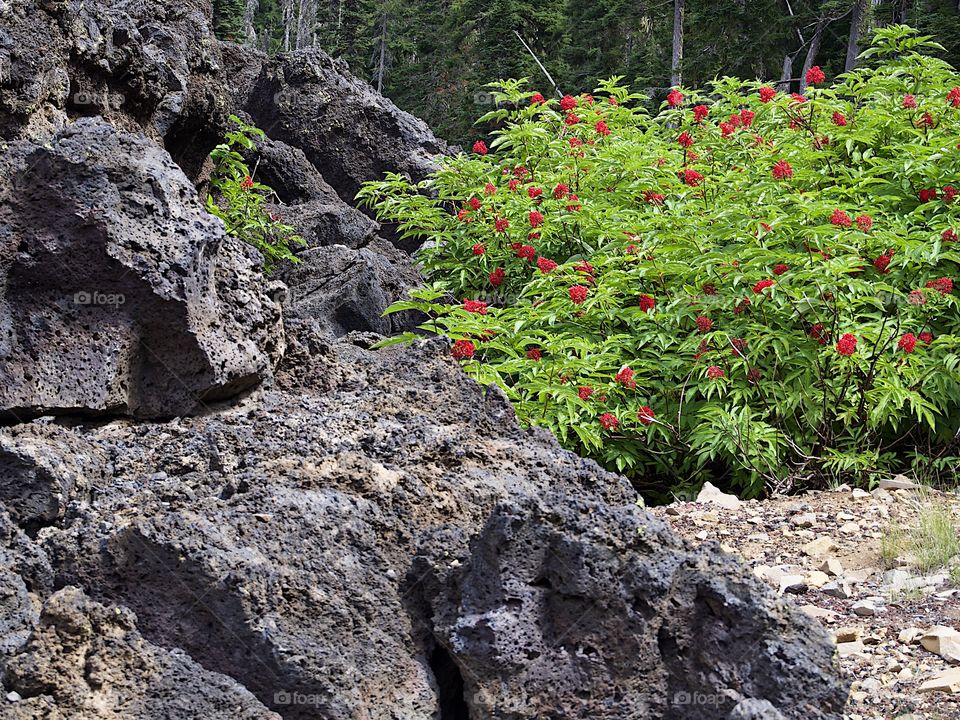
(345, 128)
(145, 66)
(85, 661)
(347, 290)
(347, 274)
(41, 468)
(312, 543)
(119, 294)
(25, 578)
(564, 607)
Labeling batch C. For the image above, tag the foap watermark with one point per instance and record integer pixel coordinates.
(285, 697)
(99, 100)
(98, 298)
(483, 97)
(683, 697)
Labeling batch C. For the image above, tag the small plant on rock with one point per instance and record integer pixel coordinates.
(239, 200)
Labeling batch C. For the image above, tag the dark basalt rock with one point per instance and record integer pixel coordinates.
(41, 468)
(569, 608)
(347, 130)
(347, 275)
(120, 294)
(389, 542)
(152, 67)
(84, 660)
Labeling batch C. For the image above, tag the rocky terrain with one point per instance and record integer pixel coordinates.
(217, 501)
(894, 626)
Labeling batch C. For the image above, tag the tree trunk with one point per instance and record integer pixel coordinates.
(675, 73)
(286, 7)
(249, 11)
(902, 11)
(787, 74)
(382, 62)
(856, 27)
(812, 51)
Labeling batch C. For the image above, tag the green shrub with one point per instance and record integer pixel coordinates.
(750, 287)
(238, 199)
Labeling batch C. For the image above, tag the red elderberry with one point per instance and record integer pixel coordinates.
(767, 93)
(645, 415)
(609, 421)
(819, 333)
(715, 373)
(782, 170)
(882, 264)
(691, 177)
(463, 349)
(479, 249)
(526, 252)
(497, 277)
(847, 344)
(578, 293)
(534, 354)
(815, 75)
(647, 303)
(944, 285)
(674, 98)
(763, 285)
(625, 377)
(704, 324)
(475, 306)
(546, 265)
(480, 147)
(907, 343)
(780, 268)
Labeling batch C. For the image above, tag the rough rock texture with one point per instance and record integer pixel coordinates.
(527, 613)
(118, 293)
(356, 460)
(195, 531)
(150, 66)
(347, 130)
(308, 201)
(25, 577)
(347, 290)
(347, 275)
(85, 660)
(37, 477)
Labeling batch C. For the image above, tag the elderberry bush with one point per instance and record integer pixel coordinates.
(753, 287)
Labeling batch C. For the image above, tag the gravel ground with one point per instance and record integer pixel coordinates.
(823, 551)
